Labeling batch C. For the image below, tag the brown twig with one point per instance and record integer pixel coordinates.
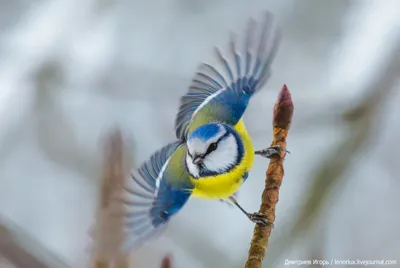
(363, 122)
(282, 117)
(166, 262)
(113, 176)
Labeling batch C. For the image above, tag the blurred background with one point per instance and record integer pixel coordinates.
(70, 70)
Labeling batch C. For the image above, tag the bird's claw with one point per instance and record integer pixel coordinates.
(270, 151)
(260, 219)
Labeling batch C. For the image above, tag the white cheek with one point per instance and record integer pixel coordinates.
(222, 158)
(192, 168)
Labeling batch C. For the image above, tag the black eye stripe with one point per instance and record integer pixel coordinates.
(213, 146)
(223, 137)
(211, 149)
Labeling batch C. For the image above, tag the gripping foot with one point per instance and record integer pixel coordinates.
(260, 219)
(270, 151)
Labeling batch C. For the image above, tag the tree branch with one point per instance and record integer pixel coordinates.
(362, 121)
(282, 117)
(166, 262)
(113, 177)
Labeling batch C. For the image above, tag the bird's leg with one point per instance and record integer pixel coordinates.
(225, 201)
(270, 151)
(256, 217)
(228, 201)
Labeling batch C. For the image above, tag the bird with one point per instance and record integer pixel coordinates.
(213, 152)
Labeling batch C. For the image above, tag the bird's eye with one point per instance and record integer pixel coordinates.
(212, 147)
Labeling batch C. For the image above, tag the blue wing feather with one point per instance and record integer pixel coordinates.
(150, 169)
(152, 198)
(240, 71)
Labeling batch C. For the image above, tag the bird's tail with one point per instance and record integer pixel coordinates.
(127, 222)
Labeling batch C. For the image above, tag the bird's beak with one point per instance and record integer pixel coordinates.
(197, 160)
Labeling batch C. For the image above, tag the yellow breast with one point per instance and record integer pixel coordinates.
(224, 185)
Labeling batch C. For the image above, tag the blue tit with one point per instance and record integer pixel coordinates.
(213, 153)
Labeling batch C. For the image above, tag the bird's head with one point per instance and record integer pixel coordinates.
(213, 149)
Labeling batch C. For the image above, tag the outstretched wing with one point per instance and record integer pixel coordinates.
(221, 91)
(158, 190)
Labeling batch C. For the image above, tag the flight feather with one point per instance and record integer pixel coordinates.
(220, 91)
